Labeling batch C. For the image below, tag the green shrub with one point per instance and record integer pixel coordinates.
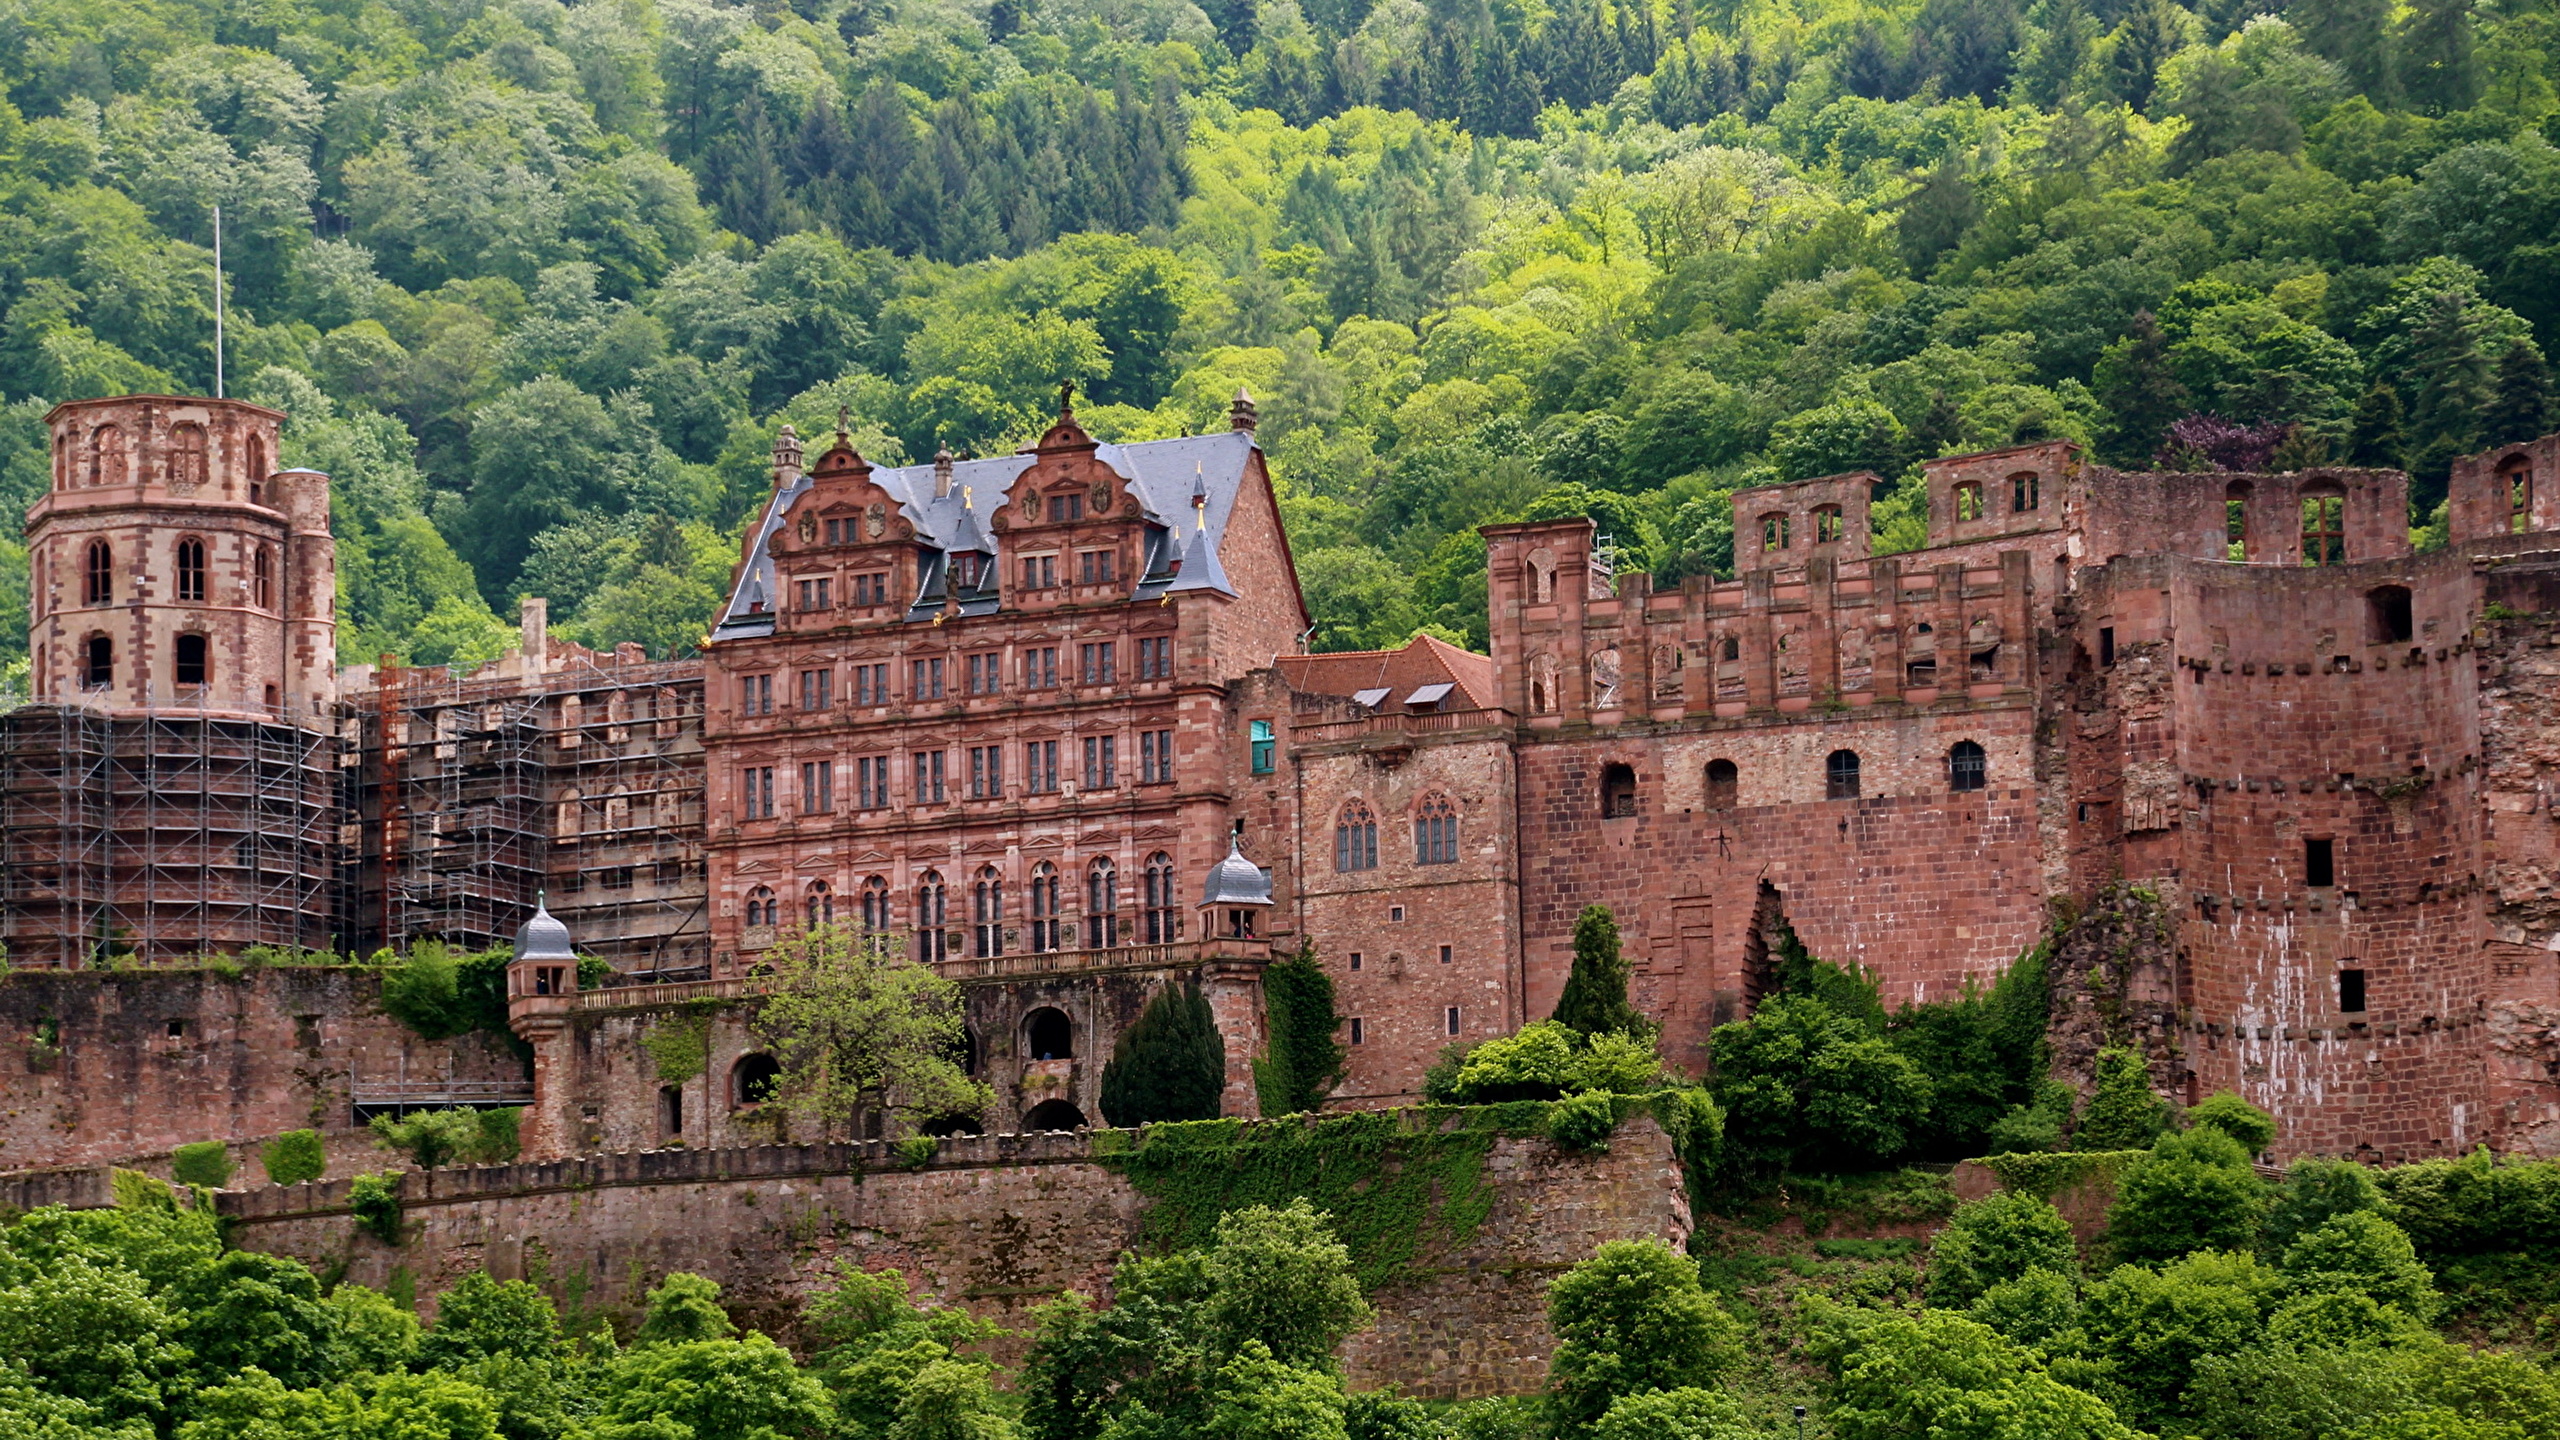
(1547, 1061)
(917, 1151)
(1804, 1087)
(440, 994)
(375, 1199)
(2031, 1309)
(1583, 1122)
(1688, 1413)
(2315, 1191)
(1303, 1059)
(2039, 1126)
(2476, 1205)
(1633, 1318)
(2225, 1111)
(2195, 1192)
(294, 1157)
(1170, 1065)
(2360, 1253)
(436, 1138)
(206, 1163)
(1595, 1001)
(2123, 1112)
(1996, 1239)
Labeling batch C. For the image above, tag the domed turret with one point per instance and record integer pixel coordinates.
(544, 938)
(1237, 888)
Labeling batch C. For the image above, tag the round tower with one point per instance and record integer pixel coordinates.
(174, 568)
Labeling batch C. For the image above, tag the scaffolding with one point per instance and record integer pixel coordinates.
(150, 836)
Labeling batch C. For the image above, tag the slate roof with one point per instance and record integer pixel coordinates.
(1164, 475)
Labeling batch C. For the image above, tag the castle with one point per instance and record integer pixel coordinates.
(1020, 716)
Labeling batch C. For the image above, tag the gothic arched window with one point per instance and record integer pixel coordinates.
(1044, 907)
(986, 912)
(1101, 905)
(1159, 913)
(1435, 831)
(1355, 839)
(932, 914)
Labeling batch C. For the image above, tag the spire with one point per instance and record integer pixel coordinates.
(1199, 498)
(1242, 416)
(942, 473)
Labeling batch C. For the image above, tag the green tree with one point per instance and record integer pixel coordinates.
(1804, 1087)
(2194, 1192)
(1595, 1001)
(1688, 1413)
(1303, 1058)
(435, 1138)
(2373, 433)
(2123, 1113)
(1170, 1065)
(1994, 1240)
(2452, 391)
(206, 1163)
(2153, 1327)
(247, 1309)
(1630, 1319)
(1280, 1279)
(684, 1307)
(294, 1157)
(1942, 1375)
(2225, 1111)
(2438, 59)
(743, 1387)
(480, 1318)
(2316, 1190)
(2140, 390)
(857, 1026)
(2520, 406)
(2360, 1253)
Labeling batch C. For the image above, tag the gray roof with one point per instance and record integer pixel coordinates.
(1236, 880)
(544, 938)
(1164, 475)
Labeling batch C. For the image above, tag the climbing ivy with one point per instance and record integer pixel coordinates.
(680, 1045)
(2045, 1174)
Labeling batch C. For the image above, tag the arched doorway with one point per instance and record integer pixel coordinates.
(753, 1079)
(1052, 1115)
(1049, 1035)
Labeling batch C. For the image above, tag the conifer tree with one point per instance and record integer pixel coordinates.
(2452, 385)
(1595, 992)
(2355, 36)
(2438, 61)
(2150, 34)
(2142, 394)
(2520, 408)
(2123, 1112)
(1303, 1059)
(1171, 1065)
(2373, 435)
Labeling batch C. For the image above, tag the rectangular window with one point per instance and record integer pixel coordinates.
(756, 797)
(1359, 1031)
(871, 589)
(1097, 663)
(928, 789)
(1453, 1019)
(813, 594)
(1093, 567)
(1155, 657)
(986, 674)
(2319, 863)
(817, 787)
(1039, 572)
(871, 684)
(928, 680)
(1040, 668)
(1101, 761)
(817, 689)
(986, 772)
(1263, 745)
(1040, 767)
(755, 695)
(1155, 757)
(1355, 959)
(1444, 954)
(2351, 991)
(2106, 645)
(871, 782)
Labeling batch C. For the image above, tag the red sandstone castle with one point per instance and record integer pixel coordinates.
(1012, 714)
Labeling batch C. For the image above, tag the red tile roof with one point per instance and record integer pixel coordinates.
(1425, 660)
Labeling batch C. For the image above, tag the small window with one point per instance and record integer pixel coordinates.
(2387, 607)
(1724, 784)
(1775, 532)
(2518, 475)
(1840, 776)
(1968, 502)
(1446, 954)
(2235, 520)
(2025, 493)
(1617, 792)
(1358, 959)
(2319, 863)
(98, 575)
(262, 579)
(2324, 529)
(2351, 991)
(1827, 525)
(190, 664)
(1359, 1031)
(98, 664)
(1732, 648)
(1967, 767)
(1452, 1020)
(2106, 646)
(1395, 914)
(1263, 747)
(671, 1112)
(191, 570)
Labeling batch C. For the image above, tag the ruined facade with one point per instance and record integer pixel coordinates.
(1007, 715)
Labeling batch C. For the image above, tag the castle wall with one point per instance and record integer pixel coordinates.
(996, 1223)
(147, 1060)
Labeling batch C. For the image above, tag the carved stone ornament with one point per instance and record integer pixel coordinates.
(875, 519)
(808, 529)
(1100, 500)
(1031, 505)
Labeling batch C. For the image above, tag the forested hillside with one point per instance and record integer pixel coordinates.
(536, 281)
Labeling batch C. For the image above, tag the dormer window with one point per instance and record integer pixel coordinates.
(965, 569)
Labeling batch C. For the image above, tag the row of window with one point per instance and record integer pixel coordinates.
(1039, 572)
(1435, 834)
(187, 469)
(98, 574)
(934, 779)
(1967, 768)
(938, 677)
(986, 909)
(1452, 1022)
(190, 662)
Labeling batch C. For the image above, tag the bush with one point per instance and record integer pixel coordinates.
(686, 1307)
(294, 1157)
(1281, 1278)
(206, 1163)
(1805, 1087)
(2036, 1127)
(2314, 1192)
(2360, 1253)
(1547, 1061)
(375, 1199)
(1583, 1122)
(1996, 1239)
(1595, 1001)
(2476, 1205)
(2195, 1192)
(435, 1138)
(2225, 1111)
(1944, 1376)
(2153, 1326)
(1633, 1318)
(1688, 1413)
(440, 994)
(1170, 1065)
(2032, 1309)
(2123, 1112)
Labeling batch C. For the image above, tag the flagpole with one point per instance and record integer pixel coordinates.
(217, 302)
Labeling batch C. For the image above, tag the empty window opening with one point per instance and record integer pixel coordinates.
(1827, 525)
(2351, 991)
(2324, 529)
(1921, 672)
(98, 575)
(177, 1029)
(1395, 914)
(1967, 767)
(2388, 608)
(1357, 959)
(1050, 1034)
(98, 667)
(1445, 954)
(1052, 1115)
(2319, 863)
(1732, 649)
(1724, 784)
(671, 1112)
(2235, 521)
(1840, 775)
(1776, 532)
(1617, 792)
(1451, 1020)
(2518, 474)
(2025, 492)
(2106, 646)
(753, 1080)
(191, 569)
(1986, 663)
(190, 659)
(1968, 502)
(1359, 1031)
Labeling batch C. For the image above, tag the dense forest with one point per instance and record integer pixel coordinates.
(536, 281)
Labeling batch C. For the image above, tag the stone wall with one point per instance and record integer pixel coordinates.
(997, 1223)
(142, 1061)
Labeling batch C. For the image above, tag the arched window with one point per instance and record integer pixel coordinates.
(986, 913)
(186, 457)
(1435, 831)
(2387, 614)
(1542, 578)
(1724, 785)
(2517, 477)
(106, 456)
(189, 665)
(565, 825)
(1968, 501)
(98, 663)
(617, 809)
(2025, 493)
(1777, 532)
(753, 1080)
(1355, 839)
(1047, 1034)
(932, 914)
(1617, 791)
(1668, 661)
(1044, 907)
(2235, 520)
(257, 458)
(98, 575)
(1827, 525)
(262, 578)
(1102, 904)
(763, 908)
(191, 569)
(818, 904)
(1731, 649)
(1840, 776)
(1967, 767)
(1543, 699)
(1160, 915)
(875, 904)
(2324, 529)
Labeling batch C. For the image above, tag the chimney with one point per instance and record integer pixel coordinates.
(786, 458)
(1241, 415)
(536, 623)
(942, 473)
